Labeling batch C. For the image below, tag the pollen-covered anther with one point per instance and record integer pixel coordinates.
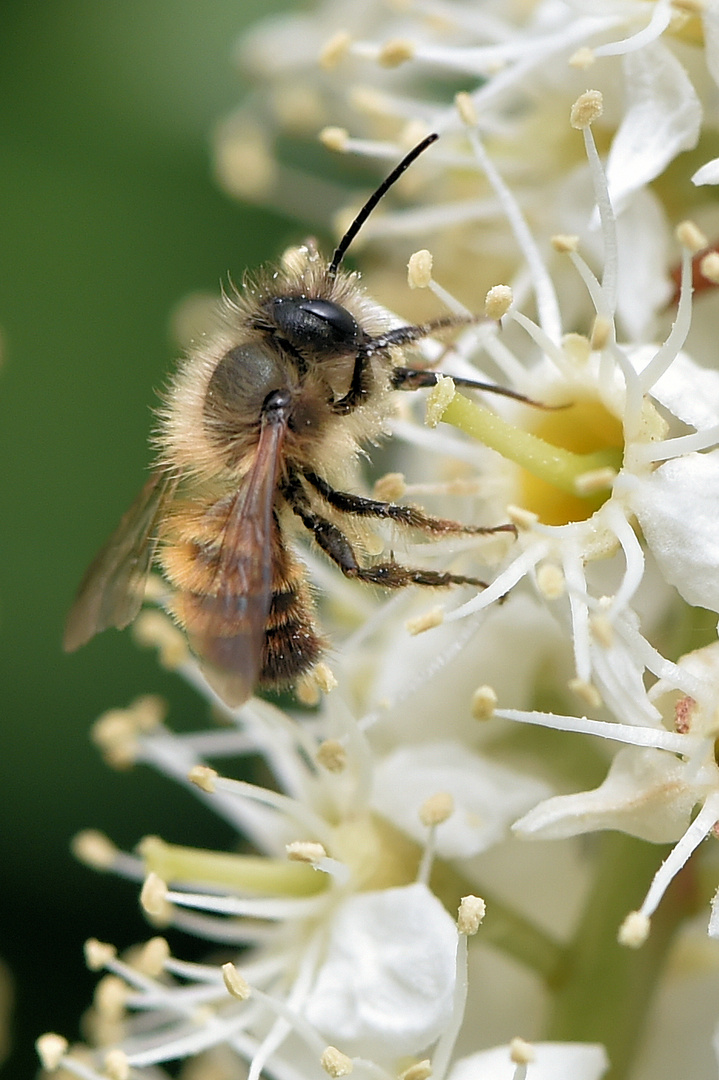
(51, 1048)
(110, 997)
(320, 680)
(583, 58)
(305, 851)
(203, 777)
(498, 301)
(565, 243)
(419, 269)
(602, 630)
(334, 50)
(390, 487)
(691, 237)
(484, 702)
(335, 1063)
(396, 51)
(577, 348)
(436, 809)
(709, 267)
(438, 399)
(470, 915)
(151, 958)
(98, 954)
(523, 519)
(154, 630)
(601, 329)
(335, 138)
(586, 692)
(466, 109)
(589, 483)
(117, 1067)
(586, 109)
(115, 735)
(634, 931)
(421, 1070)
(236, 984)
(683, 712)
(521, 1052)
(94, 849)
(153, 897)
(332, 756)
(427, 621)
(550, 581)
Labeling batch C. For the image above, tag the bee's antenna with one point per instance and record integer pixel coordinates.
(374, 198)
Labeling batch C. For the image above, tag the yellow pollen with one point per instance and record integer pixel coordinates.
(419, 269)
(335, 138)
(436, 809)
(498, 301)
(395, 52)
(466, 109)
(152, 957)
(422, 1070)
(709, 267)
(427, 621)
(390, 487)
(335, 50)
(94, 849)
(586, 692)
(690, 236)
(586, 109)
(335, 1063)
(582, 58)
(117, 1067)
(203, 777)
(634, 931)
(484, 702)
(332, 755)
(471, 912)
(98, 954)
(51, 1049)
(521, 1052)
(235, 983)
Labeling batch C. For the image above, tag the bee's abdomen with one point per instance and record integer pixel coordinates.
(289, 642)
(292, 643)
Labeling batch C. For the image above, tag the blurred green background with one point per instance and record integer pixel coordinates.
(108, 216)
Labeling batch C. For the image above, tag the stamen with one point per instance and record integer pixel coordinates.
(470, 915)
(661, 17)
(665, 356)
(680, 853)
(686, 745)
(433, 812)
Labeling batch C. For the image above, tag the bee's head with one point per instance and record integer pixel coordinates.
(314, 325)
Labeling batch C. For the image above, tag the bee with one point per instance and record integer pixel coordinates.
(256, 431)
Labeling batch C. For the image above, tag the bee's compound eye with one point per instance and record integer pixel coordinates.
(334, 315)
(315, 322)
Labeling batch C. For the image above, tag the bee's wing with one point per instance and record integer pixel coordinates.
(111, 592)
(226, 626)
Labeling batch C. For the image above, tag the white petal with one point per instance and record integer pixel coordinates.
(708, 174)
(677, 507)
(643, 289)
(553, 1061)
(646, 793)
(686, 389)
(487, 797)
(662, 118)
(386, 985)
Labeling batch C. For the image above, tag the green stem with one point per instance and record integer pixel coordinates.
(607, 989)
(558, 467)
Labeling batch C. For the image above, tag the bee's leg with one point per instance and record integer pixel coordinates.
(334, 543)
(418, 378)
(360, 386)
(348, 503)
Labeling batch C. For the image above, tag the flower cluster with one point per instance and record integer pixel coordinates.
(578, 693)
